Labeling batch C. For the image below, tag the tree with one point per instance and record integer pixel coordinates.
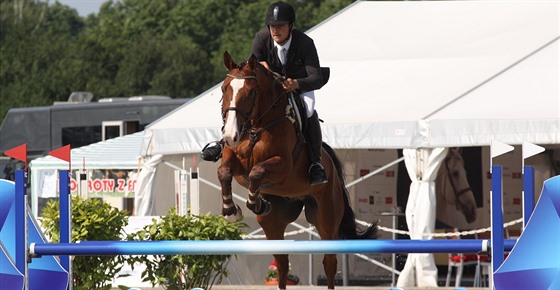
(36, 53)
(132, 47)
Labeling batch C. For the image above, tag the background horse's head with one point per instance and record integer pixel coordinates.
(453, 186)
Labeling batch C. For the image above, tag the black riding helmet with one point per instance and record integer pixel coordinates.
(280, 13)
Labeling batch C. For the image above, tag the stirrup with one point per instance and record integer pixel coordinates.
(317, 174)
(212, 151)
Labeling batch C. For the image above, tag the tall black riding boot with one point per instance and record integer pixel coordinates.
(314, 145)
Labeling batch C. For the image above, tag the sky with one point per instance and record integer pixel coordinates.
(84, 7)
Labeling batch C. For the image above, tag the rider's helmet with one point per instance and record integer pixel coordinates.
(280, 13)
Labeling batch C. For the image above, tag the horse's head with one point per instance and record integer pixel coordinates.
(238, 99)
(456, 188)
(243, 103)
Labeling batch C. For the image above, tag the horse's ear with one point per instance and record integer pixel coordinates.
(228, 61)
(252, 61)
(456, 150)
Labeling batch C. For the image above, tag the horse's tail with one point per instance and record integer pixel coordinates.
(347, 228)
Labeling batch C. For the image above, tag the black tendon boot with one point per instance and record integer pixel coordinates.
(314, 145)
(212, 151)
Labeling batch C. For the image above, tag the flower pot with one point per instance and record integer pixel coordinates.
(274, 281)
(271, 281)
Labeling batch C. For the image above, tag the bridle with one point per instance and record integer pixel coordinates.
(246, 116)
(456, 192)
(254, 133)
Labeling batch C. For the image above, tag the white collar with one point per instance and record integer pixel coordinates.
(286, 45)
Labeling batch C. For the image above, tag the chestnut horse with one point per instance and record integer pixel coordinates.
(261, 153)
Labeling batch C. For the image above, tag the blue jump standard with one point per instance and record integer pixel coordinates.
(254, 247)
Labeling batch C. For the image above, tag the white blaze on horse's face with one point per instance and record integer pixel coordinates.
(231, 130)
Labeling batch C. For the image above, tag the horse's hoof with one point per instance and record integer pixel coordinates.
(263, 209)
(267, 207)
(234, 217)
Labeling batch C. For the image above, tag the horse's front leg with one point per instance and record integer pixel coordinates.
(266, 171)
(230, 210)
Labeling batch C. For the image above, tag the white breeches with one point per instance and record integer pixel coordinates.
(309, 101)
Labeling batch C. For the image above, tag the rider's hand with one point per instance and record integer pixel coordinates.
(290, 85)
(265, 64)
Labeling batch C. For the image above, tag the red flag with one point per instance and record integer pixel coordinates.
(61, 153)
(19, 153)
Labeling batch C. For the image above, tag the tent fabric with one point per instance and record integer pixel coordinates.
(145, 194)
(422, 166)
(117, 153)
(417, 74)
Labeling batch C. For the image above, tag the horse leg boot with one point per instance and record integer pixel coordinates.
(257, 204)
(314, 145)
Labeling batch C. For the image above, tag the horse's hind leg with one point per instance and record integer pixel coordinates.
(330, 265)
(283, 264)
(325, 212)
(283, 212)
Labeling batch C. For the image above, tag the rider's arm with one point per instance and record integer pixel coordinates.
(307, 67)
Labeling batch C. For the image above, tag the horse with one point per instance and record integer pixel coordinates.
(453, 192)
(262, 154)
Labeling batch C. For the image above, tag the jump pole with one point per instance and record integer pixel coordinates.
(283, 246)
(496, 209)
(528, 150)
(21, 238)
(259, 247)
(65, 209)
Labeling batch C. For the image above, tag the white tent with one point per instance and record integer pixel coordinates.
(417, 74)
(118, 153)
(109, 154)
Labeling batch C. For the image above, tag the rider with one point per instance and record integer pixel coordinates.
(288, 51)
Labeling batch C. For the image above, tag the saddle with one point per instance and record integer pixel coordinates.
(299, 106)
(298, 110)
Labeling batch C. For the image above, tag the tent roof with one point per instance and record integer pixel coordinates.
(116, 153)
(417, 74)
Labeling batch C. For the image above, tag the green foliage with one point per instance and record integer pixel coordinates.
(92, 219)
(133, 47)
(180, 272)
